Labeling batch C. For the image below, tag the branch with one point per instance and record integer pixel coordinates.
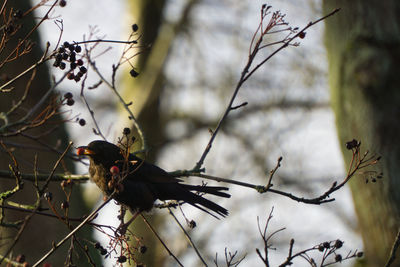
(396, 245)
(246, 74)
(43, 177)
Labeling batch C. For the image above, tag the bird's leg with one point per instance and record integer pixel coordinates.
(124, 226)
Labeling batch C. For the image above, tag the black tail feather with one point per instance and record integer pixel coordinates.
(183, 192)
(196, 200)
(213, 190)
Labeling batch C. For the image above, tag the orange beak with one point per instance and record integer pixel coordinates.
(84, 150)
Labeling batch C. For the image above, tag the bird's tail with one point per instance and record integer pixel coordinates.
(202, 203)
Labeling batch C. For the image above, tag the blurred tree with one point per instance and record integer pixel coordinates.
(364, 54)
(144, 91)
(46, 141)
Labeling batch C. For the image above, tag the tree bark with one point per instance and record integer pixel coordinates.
(363, 44)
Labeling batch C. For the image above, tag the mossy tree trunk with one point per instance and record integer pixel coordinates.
(363, 44)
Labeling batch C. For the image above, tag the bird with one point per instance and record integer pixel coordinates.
(142, 182)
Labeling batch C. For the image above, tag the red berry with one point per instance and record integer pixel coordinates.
(80, 151)
(114, 170)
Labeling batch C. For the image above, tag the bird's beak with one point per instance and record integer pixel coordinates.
(84, 150)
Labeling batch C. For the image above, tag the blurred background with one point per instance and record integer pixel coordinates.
(186, 78)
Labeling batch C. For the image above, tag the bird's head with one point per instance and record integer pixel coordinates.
(100, 152)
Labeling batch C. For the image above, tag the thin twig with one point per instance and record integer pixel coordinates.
(161, 241)
(56, 246)
(188, 237)
(54, 168)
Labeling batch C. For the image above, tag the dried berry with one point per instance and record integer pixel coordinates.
(68, 95)
(142, 249)
(63, 183)
(97, 245)
(48, 196)
(70, 102)
(79, 62)
(351, 144)
(302, 35)
(111, 184)
(103, 251)
(72, 57)
(78, 49)
(83, 69)
(20, 258)
(338, 243)
(192, 224)
(135, 27)
(82, 122)
(64, 205)
(18, 14)
(62, 65)
(134, 73)
(9, 29)
(63, 3)
(126, 131)
(121, 259)
(338, 257)
(59, 57)
(70, 76)
(360, 254)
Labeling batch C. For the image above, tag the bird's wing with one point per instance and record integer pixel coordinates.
(143, 171)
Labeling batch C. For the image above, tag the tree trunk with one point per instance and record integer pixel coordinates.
(41, 231)
(144, 92)
(362, 41)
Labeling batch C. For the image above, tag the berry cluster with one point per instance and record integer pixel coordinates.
(67, 54)
(11, 26)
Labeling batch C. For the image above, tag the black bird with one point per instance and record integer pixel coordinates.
(143, 183)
